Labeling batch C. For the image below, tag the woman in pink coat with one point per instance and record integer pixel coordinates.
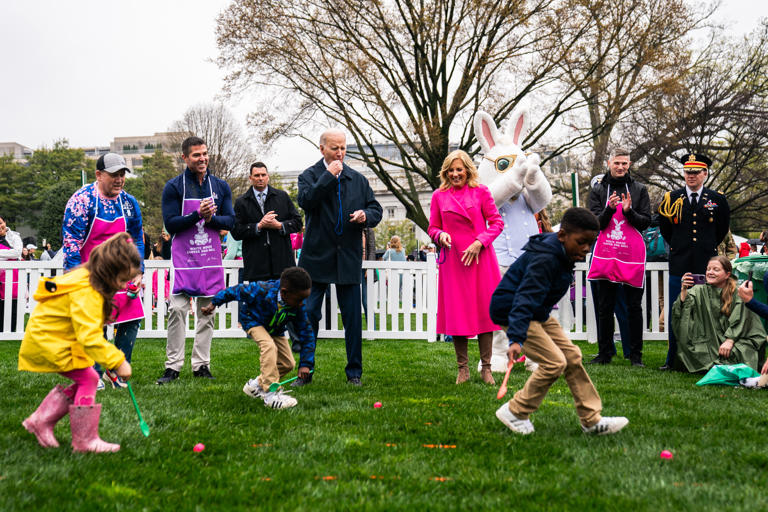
(464, 221)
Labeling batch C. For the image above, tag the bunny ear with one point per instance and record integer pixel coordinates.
(517, 128)
(485, 130)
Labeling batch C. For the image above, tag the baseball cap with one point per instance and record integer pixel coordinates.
(111, 163)
(32, 247)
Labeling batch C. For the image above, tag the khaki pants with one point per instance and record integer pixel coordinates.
(178, 307)
(549, 346)
(275, 356)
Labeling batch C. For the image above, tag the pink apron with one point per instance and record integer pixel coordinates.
(196, 255)
(619, 254)
(15, 285)
(127, 309)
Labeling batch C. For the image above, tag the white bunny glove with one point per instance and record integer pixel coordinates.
(538, 192)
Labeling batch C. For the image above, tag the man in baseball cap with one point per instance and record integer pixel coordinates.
(93, 214)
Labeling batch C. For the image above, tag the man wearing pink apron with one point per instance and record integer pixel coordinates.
(623, 208)
(10, 250)
(196, 206)
(93, 214)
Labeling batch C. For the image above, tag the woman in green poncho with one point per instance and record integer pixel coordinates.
(712, 324)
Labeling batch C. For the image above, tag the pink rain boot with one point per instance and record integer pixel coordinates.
(84, 420)
(53, 407)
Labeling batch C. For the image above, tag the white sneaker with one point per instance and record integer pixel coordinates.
(514, 423)
(279, 399)
(606, 425)
(253, 389)
(100, 386)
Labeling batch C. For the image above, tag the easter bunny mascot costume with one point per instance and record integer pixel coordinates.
(520, 190)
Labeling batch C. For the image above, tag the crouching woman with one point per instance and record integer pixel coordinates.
(712, 324)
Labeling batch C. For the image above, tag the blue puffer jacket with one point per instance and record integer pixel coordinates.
(258, 306)
(534, 283)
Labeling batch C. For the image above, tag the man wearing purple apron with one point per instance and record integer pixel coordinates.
(623, 208)
(10, 250)
(196, 206)
(93, 214)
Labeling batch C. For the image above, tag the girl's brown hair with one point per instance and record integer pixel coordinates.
(110, 265)
(726, 294)
(395, 243)
(545, 225)
(472, 174)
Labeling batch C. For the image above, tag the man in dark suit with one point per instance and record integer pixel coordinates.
(339, 204)
(693, 221)
(265, 217)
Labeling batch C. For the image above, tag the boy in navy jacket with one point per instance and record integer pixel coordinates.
(534, 283)
(265, 309)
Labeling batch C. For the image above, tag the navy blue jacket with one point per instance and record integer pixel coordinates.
(258, 303)
(531, 287)
(173, 194)
(327, 256)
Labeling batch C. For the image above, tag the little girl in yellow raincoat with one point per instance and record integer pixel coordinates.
(64, 335)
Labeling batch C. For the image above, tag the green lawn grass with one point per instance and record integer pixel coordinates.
(334, 451)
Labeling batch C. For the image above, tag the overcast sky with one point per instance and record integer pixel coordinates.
(91, 70)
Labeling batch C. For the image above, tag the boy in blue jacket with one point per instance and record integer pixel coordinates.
(265, 309)
(534, 283)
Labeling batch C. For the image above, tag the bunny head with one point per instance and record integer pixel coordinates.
(500, 150)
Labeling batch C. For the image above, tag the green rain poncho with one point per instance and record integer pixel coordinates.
(701, 329)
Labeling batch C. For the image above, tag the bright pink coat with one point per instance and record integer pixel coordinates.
(464, 292)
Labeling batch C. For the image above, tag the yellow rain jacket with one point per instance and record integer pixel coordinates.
(65, 330)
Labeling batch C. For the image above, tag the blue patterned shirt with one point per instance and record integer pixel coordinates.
(260, 306)
(79, 214)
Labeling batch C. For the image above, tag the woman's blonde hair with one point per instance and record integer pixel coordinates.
(395, 243)
(726, 294)
(472, 175)
(110, 265)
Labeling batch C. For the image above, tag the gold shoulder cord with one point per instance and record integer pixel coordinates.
(674, 210)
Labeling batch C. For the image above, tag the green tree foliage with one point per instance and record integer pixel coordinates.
(55, 174)
(156, 171)
(15, 190)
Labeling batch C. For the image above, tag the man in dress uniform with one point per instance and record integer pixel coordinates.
(693, 221)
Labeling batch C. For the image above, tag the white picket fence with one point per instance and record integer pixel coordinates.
(394, 312)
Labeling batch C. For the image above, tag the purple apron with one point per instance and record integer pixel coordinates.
(196, 255)
(127, 309)
(619, 254)
(15, 285)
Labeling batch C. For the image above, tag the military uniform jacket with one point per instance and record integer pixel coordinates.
(331, 253)
(693, 236)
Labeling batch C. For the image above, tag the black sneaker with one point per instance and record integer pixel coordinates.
(599, 360)
(355, 381)
(638, 363)
(301, 382)
(203, 371)
(168, 376)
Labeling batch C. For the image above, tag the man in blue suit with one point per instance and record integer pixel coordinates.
(339, 204)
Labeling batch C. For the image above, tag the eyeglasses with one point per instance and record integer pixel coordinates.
(503, 162)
